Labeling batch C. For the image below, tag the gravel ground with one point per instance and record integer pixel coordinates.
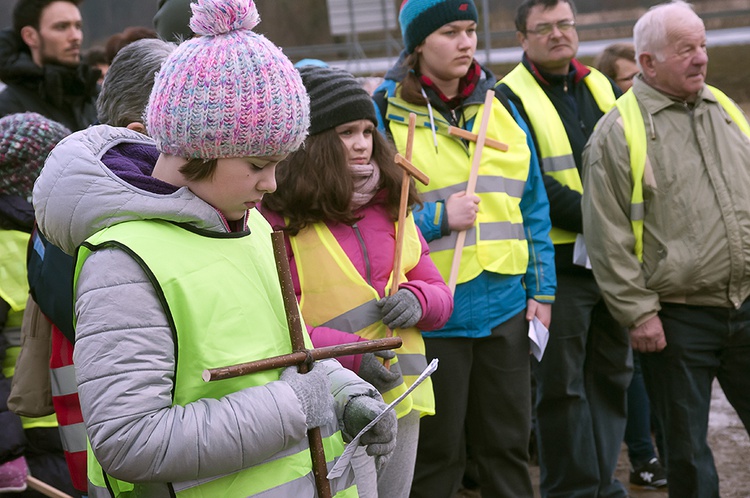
(731, 448)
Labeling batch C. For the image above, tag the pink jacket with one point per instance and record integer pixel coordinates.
(378, 234)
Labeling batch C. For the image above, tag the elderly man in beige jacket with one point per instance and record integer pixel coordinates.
(667, 225)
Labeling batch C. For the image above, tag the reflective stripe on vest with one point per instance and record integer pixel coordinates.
(68, 408)
(497, 242)
(554, 146)
(635, 136)
(199, 277)
(73, 435)
(335, 295)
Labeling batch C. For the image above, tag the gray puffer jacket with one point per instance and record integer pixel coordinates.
(124, 352)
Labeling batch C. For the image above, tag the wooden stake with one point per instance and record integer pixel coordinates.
(45, 488)
(294, 321)
(467, 135)
(471, 185)
(298, 357)
(409, 170)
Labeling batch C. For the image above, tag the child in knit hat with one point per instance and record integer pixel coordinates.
(175, 274)
(506, 276)
(338, 201)
(25, 141)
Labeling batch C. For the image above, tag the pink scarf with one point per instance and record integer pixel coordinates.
(366, 179)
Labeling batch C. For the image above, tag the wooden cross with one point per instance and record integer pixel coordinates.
(409, 170)
(481, 140)
(301, 357)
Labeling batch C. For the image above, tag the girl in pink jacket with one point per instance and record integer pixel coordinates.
(337, 202)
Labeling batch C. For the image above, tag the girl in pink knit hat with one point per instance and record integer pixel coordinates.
(175, 274)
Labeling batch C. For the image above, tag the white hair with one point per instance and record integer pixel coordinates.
(650, 31)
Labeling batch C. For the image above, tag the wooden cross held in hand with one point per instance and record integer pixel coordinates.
(409, 170)
(301, 357)
(481, 140)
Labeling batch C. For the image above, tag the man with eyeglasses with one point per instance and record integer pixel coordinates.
(583, 377)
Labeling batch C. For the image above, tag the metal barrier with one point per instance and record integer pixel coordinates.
(506, 38)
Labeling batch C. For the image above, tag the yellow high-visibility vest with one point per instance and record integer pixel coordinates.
(497, 243)
(335, 295)
(635, 136)
(554, 146)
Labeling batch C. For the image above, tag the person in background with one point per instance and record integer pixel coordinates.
(116, 42)
(27, 445)
(584, 375)
(172, 20)
(40, 62)
(337, 201)
(96, 57)
(120, 103)
(506, 276)
(665, 194)
(172, 257)
(618, 62)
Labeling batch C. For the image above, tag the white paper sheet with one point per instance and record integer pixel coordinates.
(580, 253)
(343, 462)
(538, 335)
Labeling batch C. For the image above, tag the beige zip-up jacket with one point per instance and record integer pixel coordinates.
(696, 187)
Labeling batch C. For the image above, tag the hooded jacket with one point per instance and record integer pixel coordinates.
(101, 177)
(66, 95)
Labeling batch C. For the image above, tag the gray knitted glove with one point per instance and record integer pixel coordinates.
(380, 439)
(401, 310)
(313, 390)
(373, 371)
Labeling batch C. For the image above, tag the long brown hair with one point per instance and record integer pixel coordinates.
(314, 184)
(411, 87)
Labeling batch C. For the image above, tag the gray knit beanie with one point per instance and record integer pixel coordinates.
(335, 98)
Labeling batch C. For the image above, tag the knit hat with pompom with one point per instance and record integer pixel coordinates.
(229, 92)
(26, 140)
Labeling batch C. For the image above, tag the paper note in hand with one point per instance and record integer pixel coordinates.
(343, 462)
(538, 335)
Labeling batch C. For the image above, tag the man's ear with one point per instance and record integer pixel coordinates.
(521, 39)
(136, 126)
(30, 37)
(646, 61)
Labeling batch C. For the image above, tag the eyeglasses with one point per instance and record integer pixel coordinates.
(546, 28)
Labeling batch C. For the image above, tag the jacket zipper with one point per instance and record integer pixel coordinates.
(368, 275)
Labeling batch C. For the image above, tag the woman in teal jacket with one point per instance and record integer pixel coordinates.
(507, 274)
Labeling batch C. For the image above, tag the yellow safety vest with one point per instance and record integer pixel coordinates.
(200, 278)
(635, 136)
(554, 146)
(14, 290)
(497, 243)
(335, 295)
